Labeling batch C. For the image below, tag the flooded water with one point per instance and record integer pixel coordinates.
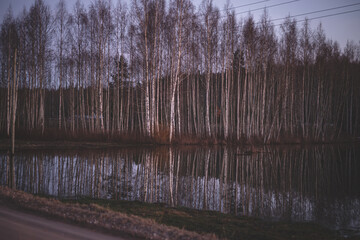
(308, 184)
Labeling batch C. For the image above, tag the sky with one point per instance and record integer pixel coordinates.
(341, 28)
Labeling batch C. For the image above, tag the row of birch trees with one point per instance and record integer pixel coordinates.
(166, 67)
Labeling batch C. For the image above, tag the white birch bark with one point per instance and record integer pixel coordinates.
(14, 105)
(176, 78)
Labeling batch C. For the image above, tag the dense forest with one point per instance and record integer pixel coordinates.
(168, 69)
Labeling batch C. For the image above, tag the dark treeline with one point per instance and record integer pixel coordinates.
(166, 69)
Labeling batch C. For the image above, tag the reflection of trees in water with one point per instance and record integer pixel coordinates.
(317, 183)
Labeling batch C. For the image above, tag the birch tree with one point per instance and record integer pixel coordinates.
(180, 7)
(211, 19)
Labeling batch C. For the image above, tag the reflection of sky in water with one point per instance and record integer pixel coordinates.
(318, 184)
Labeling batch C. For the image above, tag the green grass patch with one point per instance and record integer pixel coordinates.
(223, 225)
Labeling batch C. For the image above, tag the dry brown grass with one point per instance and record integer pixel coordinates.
(95, 215)
(162, 136)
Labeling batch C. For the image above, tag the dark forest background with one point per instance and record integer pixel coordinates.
(165, 71)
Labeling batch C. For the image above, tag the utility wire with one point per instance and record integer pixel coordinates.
(230, 8)
(318, 11)
(313, 18)
(251, 10)
(297, 15)
(308, 13)
(324, 16)
(330, 15)
(266, 7)
(245, 5)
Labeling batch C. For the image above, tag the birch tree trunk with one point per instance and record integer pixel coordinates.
(14, 105)
(175, 80)
(8, 104)
(147, 78)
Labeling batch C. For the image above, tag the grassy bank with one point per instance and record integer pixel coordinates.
(158, 221)
(225, 226)
(95, 216)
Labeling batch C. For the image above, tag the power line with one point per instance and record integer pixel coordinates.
(330, 15)
(245, 5)
(324, 16)
(253, 10)
(240, 6)
(284, 3)
(318, 11)
(266, 7)
(314, 18)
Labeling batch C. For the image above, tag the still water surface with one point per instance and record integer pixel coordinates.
(318, 184)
